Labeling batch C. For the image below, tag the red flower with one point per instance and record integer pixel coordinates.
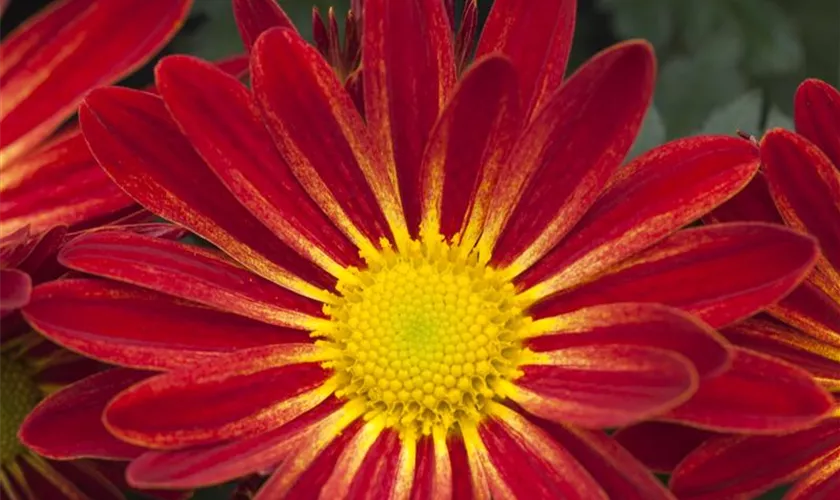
(49, 64)
(449, 298)
(801, 187)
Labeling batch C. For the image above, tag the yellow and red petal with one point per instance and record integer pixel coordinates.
(253, 17)
(518, 459)
(59, 184)
(816, 111)
(615, 470)
(758, 395)
(648, 199)
(822, 483)
(466, 150)
(777, 339)
(218, 463)
(537, 36)
(243, 156)
(321, 136)
(246, 393)
(188, 272)
(805, 185)
(128, 326)
(433, 476)
(814, 312)
(135, 140)
(637, 324)
(52, 61)
(745, 466)
(15, 289)
(661, 446)
(566, 155)
(78, 409)
(409, 71)
(720, 273)
(606, 385)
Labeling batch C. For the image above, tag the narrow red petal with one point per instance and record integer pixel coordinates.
(323, 139)
(409, 71)
(523, 461)
(78, 410)
(242, 154)
(813, 311)
(745, 466)
(661, 445)
(816, 111)
(604, 385)
(59, 184)
(466, 150)
(432, 469)
(537, 36)
(15, 289)
(188, 272)
(734, 270)
(128, 326)
(465, 36)
(135, 140)
(647, 200)
(637, 324)
(618, 473)
(564, 158)
(43, 81)
(806, 188)
(253, 17)
(206, 465)
(822, 483)
(242, 394)
(753, 203)
(759, 394)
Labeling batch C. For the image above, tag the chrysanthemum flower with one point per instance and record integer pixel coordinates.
(448, 298)
(49, 63)
(800, 186)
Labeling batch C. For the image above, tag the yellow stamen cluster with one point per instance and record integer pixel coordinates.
(423, 336)
(19, 394)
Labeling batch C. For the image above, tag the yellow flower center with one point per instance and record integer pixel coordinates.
(20, 395)
(424, 336)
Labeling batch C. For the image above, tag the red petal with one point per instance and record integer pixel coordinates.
(745, 466)
(759, 394)
(661, 445)
(806, 188)
(637, 324)
(720, 273)
(618, 473)
(242, 394)
(52, 61)
(813, 311)
(78, 409)
(323, 139)
(133, 137)
(188, 272)
(59, 184)
(409, 71)
(817, 115)
(242, 154)
(129, 326)
(753, 203)
(823, 483)
(253, 17)
(564, 158)
(15, 289)
(523, 461)
(604, 385)
(647, 200)
(206, 465)
(466, 149)
(537, 36)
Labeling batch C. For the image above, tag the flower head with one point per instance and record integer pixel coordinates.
(451, 295)
(800, 186)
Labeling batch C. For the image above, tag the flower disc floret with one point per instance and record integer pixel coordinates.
(425, 335)
(20, 394)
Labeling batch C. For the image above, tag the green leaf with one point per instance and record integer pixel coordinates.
(652, 134)
(743, 113)
(776, 118)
